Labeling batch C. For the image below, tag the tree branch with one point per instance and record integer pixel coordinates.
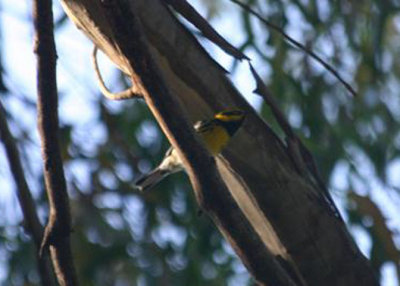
(125, 94)
(57, 232)
(190, 14)
(298, 45)
(31, 220)
(211, 193)
(276, 201)
(301, 156)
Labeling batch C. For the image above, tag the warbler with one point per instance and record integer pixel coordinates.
(215, 132)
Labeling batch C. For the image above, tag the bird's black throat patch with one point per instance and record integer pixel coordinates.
(231, 126)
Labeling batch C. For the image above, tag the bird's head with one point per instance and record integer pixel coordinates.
(230, 119)
(233, 115)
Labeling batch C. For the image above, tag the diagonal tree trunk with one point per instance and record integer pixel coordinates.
(271, 214)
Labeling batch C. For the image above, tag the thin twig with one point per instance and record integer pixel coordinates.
(31, 220)
(298, 45)
(190, 14)
(126, 94)
(57, 231)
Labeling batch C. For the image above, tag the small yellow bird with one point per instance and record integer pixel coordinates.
(216, 134)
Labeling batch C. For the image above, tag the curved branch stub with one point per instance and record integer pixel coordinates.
(125, 94)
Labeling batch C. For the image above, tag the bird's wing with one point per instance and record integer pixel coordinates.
(204, 125)
(169, 151)
(200, 127)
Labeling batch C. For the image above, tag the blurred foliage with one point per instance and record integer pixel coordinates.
(122, 237)
(361, 39)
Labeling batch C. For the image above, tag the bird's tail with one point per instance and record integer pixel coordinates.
(151, 179)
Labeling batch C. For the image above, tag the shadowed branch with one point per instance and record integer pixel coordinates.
(31, 220)
(300, 155)
(211, 192)
(190, 14)
(57, 231)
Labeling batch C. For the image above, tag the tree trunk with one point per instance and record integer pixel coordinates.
(299, 234)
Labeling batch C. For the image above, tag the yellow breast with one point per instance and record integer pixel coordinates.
(216, 138)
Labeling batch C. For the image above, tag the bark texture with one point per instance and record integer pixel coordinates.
(57, 232)
(268, 197)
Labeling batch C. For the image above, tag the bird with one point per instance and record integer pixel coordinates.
(216, 134)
